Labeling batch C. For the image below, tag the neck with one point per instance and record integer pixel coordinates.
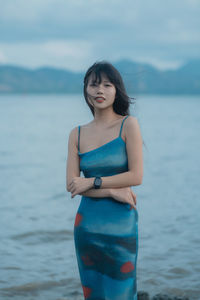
(105, 116)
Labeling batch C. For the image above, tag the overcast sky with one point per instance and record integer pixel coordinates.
(73, 34)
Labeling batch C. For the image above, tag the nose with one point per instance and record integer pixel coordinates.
(99, 91)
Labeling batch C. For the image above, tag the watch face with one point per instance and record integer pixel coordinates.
(98, 181)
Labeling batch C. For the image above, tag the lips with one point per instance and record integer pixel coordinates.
(99, 99)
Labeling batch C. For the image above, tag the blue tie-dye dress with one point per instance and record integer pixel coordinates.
(106, 231)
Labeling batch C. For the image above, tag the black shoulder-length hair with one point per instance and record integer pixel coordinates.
(122, 100)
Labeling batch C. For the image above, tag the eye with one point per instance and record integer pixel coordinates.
(107, 84)
(93, 84)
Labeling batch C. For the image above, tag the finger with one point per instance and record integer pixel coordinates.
(72, 182)
(73, 189)
(134, 197)
(71, 185)
(132, 204)
(74, 194)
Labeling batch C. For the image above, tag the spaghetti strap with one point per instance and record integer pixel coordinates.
(79, 138)
(122, 125)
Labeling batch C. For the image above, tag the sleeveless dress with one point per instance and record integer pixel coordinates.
(106, 231)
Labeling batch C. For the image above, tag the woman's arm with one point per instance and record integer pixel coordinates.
(100, 193)
(135, 164)
(73, 165)
(124, 195)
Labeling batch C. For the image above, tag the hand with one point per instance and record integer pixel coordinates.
(79, 185)
(125, 195)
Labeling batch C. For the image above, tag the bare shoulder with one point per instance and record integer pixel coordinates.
(73, 133)
(131, 123)
(131, 126)
(73, 137)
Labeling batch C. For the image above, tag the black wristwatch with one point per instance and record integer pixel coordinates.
(97, 182)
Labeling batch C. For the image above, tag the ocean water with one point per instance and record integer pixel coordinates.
(37, 254)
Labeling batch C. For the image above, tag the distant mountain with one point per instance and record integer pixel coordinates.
(43, 80)
(138, 78)
(143, 78)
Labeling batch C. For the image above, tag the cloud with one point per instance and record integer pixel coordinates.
(66, 49)
(166, 33)
(71, 54)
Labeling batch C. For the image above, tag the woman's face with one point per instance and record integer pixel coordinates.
(101, 95)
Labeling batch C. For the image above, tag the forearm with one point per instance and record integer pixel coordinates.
(97, 193)
(121, 180)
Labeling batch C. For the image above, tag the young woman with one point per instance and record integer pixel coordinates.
(108, 150)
